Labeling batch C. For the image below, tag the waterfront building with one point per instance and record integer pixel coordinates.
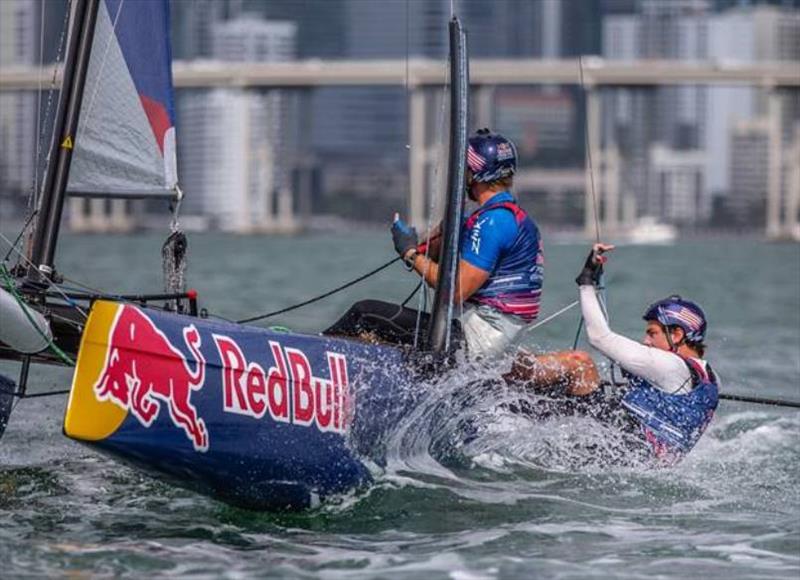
(677, 190)
(664, 125)
(359, 126)
(748, 165)
(19, 34)
(236, 145)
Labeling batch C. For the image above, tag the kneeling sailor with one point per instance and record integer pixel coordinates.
(671, 392)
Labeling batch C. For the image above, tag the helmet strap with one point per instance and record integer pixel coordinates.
(668, 334)
(673, 347)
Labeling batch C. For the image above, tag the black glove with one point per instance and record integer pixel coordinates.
(592, 270)
(404, 237)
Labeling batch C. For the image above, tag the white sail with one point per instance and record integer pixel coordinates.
(125, 143)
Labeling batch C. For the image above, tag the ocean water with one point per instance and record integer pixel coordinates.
(517, 501)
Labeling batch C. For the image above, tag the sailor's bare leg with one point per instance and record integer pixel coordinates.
(573, 370)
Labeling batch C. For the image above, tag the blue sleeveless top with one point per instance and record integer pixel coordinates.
(501, 238)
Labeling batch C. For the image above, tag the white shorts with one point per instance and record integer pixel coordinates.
(487, 331)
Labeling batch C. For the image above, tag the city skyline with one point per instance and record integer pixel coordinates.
(675, 145)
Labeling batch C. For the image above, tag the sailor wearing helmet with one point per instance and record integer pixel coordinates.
(670, 392)
(500, 273)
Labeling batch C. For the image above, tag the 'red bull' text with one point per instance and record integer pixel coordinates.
(287, 391)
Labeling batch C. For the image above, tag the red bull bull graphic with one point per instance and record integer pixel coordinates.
(288, 391)
(134, 385)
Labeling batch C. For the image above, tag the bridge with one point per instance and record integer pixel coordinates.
(418, 75)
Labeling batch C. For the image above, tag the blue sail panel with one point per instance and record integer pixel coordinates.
(125, 142)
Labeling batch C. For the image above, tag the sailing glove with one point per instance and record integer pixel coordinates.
(592, 269)
(404, 237)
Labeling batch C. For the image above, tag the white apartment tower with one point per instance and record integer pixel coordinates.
(237, 143)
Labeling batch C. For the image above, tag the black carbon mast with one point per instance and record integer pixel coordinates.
(439, 331)
(73, 82)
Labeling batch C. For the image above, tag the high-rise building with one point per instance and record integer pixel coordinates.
(192, 25)
(731, 39)
(748, 166)
(229, 174)
(738, 136)
(669, 118)
(252, 39)
(677, 186)
(691, 118)
(369, 125)
(236, 144)
(19, 34)
(535, 120)
(738, 36)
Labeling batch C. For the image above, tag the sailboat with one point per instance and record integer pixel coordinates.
(259, 418)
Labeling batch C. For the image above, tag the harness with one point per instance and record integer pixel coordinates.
(519, 216)
(519, 213)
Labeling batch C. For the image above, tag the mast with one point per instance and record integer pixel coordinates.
(76, 66)
(438, 338)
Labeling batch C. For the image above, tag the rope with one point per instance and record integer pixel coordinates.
(595, 206)
(410, 296)
(553, 316)
(321, 296)
(589, 156)
(9, 284)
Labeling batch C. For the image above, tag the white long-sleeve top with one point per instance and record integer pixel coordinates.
(664, 370)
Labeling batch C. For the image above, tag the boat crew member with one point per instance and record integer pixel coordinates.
(500, 271)
(670, 392)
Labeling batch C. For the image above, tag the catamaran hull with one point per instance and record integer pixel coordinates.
(23, 329)
(258, 418)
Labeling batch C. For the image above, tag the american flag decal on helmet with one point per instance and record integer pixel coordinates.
(475, 161)
(685, 315)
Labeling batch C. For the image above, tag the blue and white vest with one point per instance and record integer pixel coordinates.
(672, 423)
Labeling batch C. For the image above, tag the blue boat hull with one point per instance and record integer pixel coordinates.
(258, 418)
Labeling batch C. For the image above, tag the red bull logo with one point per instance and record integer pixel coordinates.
(142, 369)
(287, 391)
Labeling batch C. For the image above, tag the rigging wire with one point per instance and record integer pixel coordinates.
(321, 296)
(595, 205)
(587, 141)
(39, 97)
(13, 246)
(35, 196)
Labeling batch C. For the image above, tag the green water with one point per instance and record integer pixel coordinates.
(516, 505)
